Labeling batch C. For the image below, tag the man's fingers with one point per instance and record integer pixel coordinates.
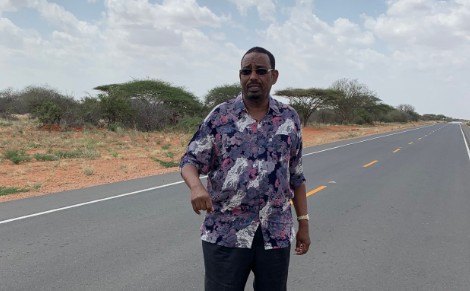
(300, 251)
(301, 248)
(195, 208)
(202, 204)
(209, 207)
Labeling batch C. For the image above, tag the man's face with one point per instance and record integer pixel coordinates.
(256, 85)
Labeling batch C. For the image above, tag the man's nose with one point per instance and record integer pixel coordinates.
(253, 74)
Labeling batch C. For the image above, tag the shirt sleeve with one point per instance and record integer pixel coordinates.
(199, 151)
(295, 164)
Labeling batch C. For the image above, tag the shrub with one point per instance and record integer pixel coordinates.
(11, 190)
(5, 123)
(46, 157)
(49, 113)
(90, 111)
(116, 127)
(166, 164)
(188, 124)
(16, 156)
(88, 171)
(76, 154)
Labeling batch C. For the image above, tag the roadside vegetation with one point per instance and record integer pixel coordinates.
(46, 126)
(11, 190)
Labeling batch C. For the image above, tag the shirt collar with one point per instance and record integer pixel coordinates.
(239, 106)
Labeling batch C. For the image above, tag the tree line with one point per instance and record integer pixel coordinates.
(151, 105)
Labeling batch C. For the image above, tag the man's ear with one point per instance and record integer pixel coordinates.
(275, 74)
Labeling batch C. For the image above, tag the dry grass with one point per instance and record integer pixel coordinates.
(93, 157)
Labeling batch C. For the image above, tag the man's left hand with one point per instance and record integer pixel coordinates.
(302, 239)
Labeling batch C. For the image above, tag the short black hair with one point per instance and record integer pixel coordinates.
(258, 49)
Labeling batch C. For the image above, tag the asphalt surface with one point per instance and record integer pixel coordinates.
(388, 212)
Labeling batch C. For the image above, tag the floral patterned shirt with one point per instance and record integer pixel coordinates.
(252, 170)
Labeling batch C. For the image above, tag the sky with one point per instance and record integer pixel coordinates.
(414, 52)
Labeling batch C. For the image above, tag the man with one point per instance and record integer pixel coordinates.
(251, 150)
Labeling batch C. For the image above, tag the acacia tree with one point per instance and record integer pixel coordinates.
(307, 101)
(90, 110)
(410, 111)
(115, 108)
(221, 94)
(353, 99)
(150, 104)
(380, 112)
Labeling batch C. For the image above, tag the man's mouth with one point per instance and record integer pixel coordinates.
(254, 87)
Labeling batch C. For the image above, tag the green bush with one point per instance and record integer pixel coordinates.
(188, 124)
(116, 127)
(76, 154)
(5, 123)
(49, 113)
(46, 157)
(16, 156)
(363, 117)
(11, 190)
(166, 164)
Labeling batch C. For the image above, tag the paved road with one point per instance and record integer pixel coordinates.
(389, 212)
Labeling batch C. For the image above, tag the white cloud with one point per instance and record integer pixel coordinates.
(426, 37)
(140, 24)
(10, 5)
(439, 24)
(71, 39)
(266, 8)
(53, 13)
(179, 14)
(11, 34)
(316, 53)
(63, 19)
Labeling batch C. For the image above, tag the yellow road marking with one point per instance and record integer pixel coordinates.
(370, 164)
(316, 190)
(312, 192)
(396, 151)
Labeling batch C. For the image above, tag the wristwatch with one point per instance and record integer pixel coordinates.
(303, 217)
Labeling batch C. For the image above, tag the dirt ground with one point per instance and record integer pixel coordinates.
(118, 156)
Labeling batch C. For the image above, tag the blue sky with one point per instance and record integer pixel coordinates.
(408, 51)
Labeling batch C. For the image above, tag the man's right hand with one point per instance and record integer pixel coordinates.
(200, 200)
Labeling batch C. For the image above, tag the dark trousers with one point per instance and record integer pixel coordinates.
(227, 269)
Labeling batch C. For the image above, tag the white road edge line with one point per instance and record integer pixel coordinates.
(465, 141)
(171, 184)
(361, 141)
(89, 202)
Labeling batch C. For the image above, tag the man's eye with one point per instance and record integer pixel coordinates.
(245, 72)
(259, 71)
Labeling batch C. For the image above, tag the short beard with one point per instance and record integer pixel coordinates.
(253, 97)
